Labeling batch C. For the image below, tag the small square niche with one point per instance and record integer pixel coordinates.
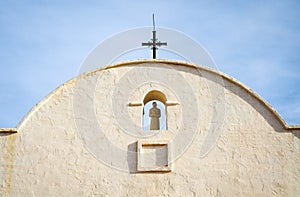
(153, 156)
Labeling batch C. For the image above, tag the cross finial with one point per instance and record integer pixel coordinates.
(154, 43)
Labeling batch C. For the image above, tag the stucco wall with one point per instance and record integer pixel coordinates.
(81, 140)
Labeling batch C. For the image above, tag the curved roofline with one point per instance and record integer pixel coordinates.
(171, 62)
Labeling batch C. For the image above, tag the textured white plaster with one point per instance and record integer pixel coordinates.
(257, 154)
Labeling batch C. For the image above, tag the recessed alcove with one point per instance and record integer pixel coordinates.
(160, 99)
(153, 156)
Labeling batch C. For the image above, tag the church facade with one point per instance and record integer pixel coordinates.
(88, 137)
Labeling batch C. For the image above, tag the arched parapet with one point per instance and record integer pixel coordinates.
(178, 64)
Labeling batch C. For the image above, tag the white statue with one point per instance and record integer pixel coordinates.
(154, 114)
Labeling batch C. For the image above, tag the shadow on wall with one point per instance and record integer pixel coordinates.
(260, 107)
(248, 97)
(297, 133)
(6, 134)
(132, 157)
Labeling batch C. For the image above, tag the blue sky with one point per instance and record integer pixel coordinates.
(43, 43)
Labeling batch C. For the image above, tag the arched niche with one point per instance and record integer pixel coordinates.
(159, 98)
(155, 95)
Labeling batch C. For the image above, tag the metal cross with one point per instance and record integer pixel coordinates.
(154, 43)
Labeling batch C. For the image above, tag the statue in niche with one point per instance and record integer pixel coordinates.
(154, 114)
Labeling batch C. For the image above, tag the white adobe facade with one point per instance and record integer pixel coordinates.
(86, 138)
